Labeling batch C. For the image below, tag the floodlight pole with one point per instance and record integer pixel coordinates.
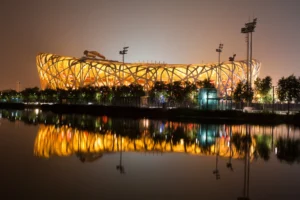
(273, 100)
(218, 69)
(248, 30)
(248, 64)
(231, 59)
(250, 58)
(123, 52)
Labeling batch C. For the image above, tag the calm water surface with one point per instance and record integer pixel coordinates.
(47, 156)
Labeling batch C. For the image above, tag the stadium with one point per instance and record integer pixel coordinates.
(62, 72)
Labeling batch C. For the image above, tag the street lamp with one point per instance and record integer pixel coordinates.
(248, 30)
(219, 51)
(123, 52)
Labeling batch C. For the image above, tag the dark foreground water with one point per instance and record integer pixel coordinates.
(46, 156)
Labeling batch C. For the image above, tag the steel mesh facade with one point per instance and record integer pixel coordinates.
(68, 72)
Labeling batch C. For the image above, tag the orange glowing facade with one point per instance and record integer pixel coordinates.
(68, 72)
(66, 141)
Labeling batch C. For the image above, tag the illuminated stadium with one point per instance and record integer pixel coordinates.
(94, 70)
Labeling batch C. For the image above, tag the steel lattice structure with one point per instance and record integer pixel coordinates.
(68, 72)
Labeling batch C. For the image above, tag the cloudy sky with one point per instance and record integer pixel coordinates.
(171, 31)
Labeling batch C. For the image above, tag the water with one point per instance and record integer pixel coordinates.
(48, 156)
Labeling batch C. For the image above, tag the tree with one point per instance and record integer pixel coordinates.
(263, 88)
(190, 92)
(159, 92)
(103, 94)
(136, 90)
(181, 92)
(121, 91)
(176, 91)
(288, 89)
(238, 93)
(49, 95)
(86, 94)
(242, 93)
(206, 83)
(10, 96)
(62, 95)
(247, 93)
(31, 94)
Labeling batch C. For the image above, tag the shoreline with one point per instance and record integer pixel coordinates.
(174, 114)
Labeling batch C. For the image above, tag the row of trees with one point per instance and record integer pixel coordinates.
(103, 94)
(260, 93)
(288, 90)
(177, 92)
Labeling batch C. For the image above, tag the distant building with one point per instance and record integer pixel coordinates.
(68, 72)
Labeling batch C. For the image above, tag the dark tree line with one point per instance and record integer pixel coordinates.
(287, 91)
(260, 92)
(101, 95)
(177, 92)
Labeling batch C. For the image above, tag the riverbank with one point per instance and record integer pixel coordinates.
(175, 114)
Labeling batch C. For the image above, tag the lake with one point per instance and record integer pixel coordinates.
(50, 156)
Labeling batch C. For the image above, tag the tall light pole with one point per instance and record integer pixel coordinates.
(123, 52)
(273, 99)
(231, 59)
(218, 74)
(248, 30)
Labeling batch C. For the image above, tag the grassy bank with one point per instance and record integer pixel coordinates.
(178, 114)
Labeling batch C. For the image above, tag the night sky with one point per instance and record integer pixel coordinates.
(171, 31)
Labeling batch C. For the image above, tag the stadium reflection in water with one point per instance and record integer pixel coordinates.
(166, 137)
(91, 138)
(232, 141)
